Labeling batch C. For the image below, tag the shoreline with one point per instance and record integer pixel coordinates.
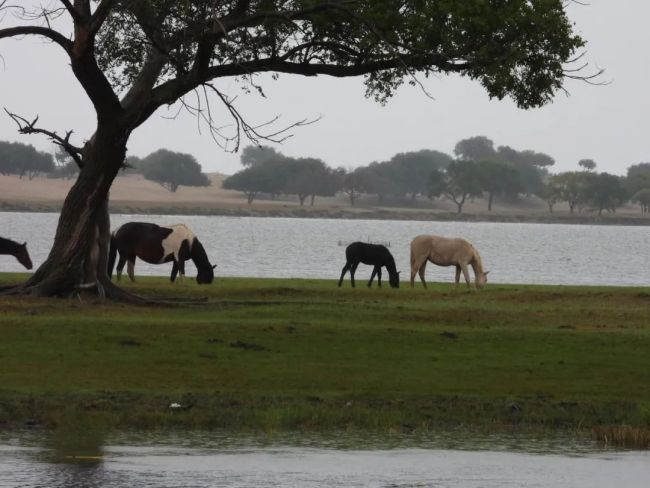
(352, 213)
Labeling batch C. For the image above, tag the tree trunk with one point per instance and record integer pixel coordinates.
(79, 256)
(313, 197)
(490, 197)
(302, 199)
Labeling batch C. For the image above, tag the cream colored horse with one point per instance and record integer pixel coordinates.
(446, 252)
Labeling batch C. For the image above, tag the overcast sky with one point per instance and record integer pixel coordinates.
(609, 124)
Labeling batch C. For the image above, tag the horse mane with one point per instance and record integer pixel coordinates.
(476, 260)
(198, 254)
(10, 245)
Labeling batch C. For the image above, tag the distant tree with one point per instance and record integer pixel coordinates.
(533, 158)
(132, 165)
(571, 185)
(351, 183)
(410, 170)
(378, 179)
(437, 184)
(551, 192)
(24, 160)
(605, 191)
(172, 169)
(254, 155)
(309, 177)
(478, 148)
(638, 178)
(250, 180)
(587, 164)
(499, 178)
(462, 180)
(642, 197)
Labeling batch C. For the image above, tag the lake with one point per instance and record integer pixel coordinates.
(525, 253)
(198, 460)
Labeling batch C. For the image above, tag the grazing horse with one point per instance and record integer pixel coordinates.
(446, 252)
(373, 254)
(157, 245)
(19, 251)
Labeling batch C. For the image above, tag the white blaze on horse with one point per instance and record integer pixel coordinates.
(19, 251)
(444, 251)
(156, 245)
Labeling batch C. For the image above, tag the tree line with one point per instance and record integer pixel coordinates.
(167, 168)
(477, 169)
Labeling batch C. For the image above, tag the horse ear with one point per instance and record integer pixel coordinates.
(486, 273)
(214, 266)
(25, 244)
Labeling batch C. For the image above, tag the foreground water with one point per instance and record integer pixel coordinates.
(314, 248)
(206, 460)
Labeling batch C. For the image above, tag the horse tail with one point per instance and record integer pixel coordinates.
(112, 254)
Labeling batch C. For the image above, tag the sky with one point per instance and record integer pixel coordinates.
(609, 123)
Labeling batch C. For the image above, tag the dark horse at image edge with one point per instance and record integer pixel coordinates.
(19, 251)
(156, 245)
(373, 254)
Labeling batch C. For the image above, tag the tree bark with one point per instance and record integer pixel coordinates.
(78, 259)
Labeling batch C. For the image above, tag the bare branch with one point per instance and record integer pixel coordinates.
(26, 127)
(46, 32)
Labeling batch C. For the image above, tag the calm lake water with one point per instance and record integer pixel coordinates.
(314, 248)
(208, 460)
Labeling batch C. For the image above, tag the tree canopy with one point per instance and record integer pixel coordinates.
(21, 159)
(172, 169)
(134, 56)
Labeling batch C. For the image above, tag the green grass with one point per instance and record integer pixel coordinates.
(287, 354)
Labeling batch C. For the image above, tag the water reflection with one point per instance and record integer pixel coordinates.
(206, 459)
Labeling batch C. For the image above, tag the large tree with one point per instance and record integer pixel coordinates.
(133, 56)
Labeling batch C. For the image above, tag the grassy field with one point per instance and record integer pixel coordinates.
(303, 354)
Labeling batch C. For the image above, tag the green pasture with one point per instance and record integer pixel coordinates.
(303, 354)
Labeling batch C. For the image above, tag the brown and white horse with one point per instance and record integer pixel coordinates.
(444, 251)
(19, 251)
(156, 245)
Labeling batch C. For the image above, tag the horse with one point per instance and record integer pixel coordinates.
(373, 254)
(444, 251)
(19, 251)
(156, 245)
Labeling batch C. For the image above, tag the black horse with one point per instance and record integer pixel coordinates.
(373, 254)
(157, 245)
(19, 251)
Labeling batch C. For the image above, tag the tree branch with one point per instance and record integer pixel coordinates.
(26, 127)
(46, 32)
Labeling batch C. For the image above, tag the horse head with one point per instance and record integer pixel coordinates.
(481, 279)
(205, 276)
(23, 256)
(393, 279)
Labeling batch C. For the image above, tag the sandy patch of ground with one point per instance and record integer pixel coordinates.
(134, 194)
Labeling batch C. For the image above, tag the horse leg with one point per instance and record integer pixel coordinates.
(457, 275)
(346, 268)
(379, 276)
(466, 274)
(130, 268)
(418, 266)
(421, 271)
(352, 271)
(372, 275)
(120, 266)
(181, 270)
(172, 278)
